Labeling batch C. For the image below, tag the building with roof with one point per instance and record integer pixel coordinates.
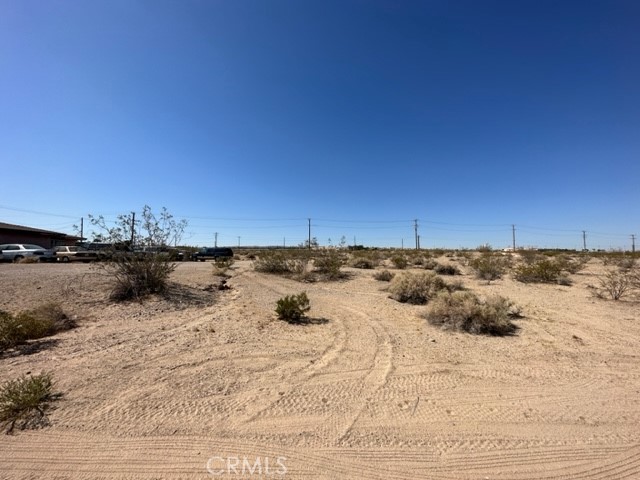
(10, 233)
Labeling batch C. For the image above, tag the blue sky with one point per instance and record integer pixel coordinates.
(248, 117)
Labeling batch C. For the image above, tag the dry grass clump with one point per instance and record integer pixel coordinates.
(416, 288)
(464, 311)
(42, 321)
(25, 401)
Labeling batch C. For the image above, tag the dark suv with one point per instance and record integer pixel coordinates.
(212, 253)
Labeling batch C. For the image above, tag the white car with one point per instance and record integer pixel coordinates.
(67, 253)
(14, 252)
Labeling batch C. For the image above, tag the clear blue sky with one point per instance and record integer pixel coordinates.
(248, 117)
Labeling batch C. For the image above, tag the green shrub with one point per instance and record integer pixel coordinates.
(328, 264)
(43, 321)
(399, 261)
(24, 401)
(446, 269)
(572, 264)
(383, 276)
(489, 266)
(138, 276)
(540, 271)
(416, 288)
(293, 308)
(281, 263)
(464, 311)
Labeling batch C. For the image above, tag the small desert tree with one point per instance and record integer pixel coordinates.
(136, 276)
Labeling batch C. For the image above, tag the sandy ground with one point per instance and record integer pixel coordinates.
(192, 386)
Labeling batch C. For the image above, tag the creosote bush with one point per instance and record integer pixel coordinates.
(25, 401)
(616, 284)
(400, 262)
(446, 269)
(383, 276)
(293, 308)
(328, 265)
(282, 263)
(42, 321)
(489, 266)
(540, 271)
(416, 288)
(464, 311)
(136, 276)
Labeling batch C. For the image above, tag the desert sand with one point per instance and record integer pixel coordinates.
(191, 386)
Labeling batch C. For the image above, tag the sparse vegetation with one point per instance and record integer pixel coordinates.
(540, 271)
(489, 266)
(365, 261)
(399, 261)
(616, 284)
(446, 269)
(281, 263)
(328, 264)
(416, 288)
(464, 311)
(293, 308)
(24, 402)
(383, 276)
(138, 276)
(43, 321)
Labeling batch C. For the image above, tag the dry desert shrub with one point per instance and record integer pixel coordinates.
(42, 321)
(572, 264)
(416, 288)
(489, 266)
(539, 271)
(383, 276)
(399, 261)
(617, 284)
(25, 401)
(279, 263)
(464, 311)
(328, 264)
(364, 260)
(446, 269)
(136, 276)
(293, 308)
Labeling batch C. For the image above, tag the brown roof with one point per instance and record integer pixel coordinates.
(9, 226)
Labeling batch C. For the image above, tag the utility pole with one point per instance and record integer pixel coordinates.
(418, 242)
(284, 242)
(402, 244)
(133, 227)
(82, 228)
(415, 227)
(633, 243)
(584, 240)
(216, 241)
(354, 240)
(513, 234)
(309, 234)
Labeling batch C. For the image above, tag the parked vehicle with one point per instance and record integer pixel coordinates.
(14, 252)
(211, 253)
(66, 253)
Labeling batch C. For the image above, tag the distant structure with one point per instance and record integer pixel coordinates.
(10, 233)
